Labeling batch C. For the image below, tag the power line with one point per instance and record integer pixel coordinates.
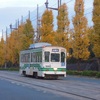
(34, 18)
(69, 1)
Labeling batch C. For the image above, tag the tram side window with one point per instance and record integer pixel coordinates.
(36, 57)
(47, 54)
(25, 57)
(39, 56)
(33, 57)
(62, 57)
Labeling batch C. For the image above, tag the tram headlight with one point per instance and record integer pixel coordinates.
(55, 69)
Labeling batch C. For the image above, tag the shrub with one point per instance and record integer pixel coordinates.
(98, 75)
(69, 72)
(89, 73)
(84, 73)
(10, 69)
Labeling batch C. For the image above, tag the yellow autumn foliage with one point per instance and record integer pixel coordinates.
(80, 38)
(96, 27)
(47, 33)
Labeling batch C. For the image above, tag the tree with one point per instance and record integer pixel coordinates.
(63, 21)
(2, 52)
(28, 34)
(20, 37)
(11, 47)
(15, 45)
(80, 39)
(62, 36)
(18, 40)
(47, 33)
(96, 26)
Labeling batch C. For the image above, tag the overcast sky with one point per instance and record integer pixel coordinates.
(10, 10)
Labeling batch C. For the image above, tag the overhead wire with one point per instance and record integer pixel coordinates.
(40, 14)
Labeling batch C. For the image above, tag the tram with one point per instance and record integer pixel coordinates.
(43, 60)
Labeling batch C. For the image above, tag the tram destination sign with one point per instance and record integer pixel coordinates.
(55, 50)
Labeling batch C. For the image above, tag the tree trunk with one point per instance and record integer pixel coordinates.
(78, 64)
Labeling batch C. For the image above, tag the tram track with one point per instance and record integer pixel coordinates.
(83, 97)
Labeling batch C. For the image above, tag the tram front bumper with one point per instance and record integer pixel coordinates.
(54, 73)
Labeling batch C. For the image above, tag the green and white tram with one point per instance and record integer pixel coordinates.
(43, 60)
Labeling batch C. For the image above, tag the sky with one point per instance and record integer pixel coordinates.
(10, 10)
(20, 3)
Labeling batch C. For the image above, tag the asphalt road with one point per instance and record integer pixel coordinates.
(12, 91)
(13, 86)
(83, 79)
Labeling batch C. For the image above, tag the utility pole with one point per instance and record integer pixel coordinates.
(13, 27)
(21, 19)
(6, 35)
(2, 33)
(59, 4)
(6, 50)
(4, 47)
(29, 15)
(16, 26)
(18, 22)
(38, 26)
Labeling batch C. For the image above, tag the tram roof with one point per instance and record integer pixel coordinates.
(39, 45)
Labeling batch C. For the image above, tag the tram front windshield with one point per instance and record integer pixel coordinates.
(55, 57)
(52, 57)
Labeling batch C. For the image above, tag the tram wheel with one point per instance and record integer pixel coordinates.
(24, 73)
(35, 75)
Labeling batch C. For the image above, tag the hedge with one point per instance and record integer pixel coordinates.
(10, 69)
(84, 73)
